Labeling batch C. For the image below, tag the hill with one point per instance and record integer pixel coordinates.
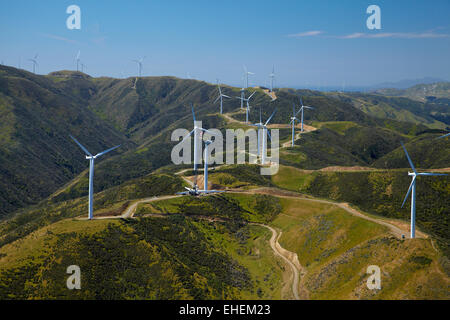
(420, 92)
(40, 111)
(36, 154)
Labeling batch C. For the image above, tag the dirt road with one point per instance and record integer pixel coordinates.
(289, 257)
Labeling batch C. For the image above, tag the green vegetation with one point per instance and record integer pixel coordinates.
(336, 248)
(30, 219)
(379, 192)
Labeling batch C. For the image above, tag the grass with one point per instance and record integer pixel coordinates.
(336, 248)
(292, 178)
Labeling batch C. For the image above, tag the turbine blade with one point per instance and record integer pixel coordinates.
(269, 134)
(409, 159)
(81, 146)
(293, 109)
(251, 95)
(193, 113)
(409, 190)
(106, 151)
(188, 135)
(204, 130)
(445, 135)
(217, 99)
(301, 101)
(270, 118)
(431, 174)
(225, 96)
(299, 111)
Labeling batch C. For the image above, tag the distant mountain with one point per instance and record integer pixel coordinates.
(391, 104)
(421, 92)
(407, 83)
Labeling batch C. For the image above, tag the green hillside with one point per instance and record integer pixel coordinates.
(380, 193)
(38, 113)
(36, 154)
(202, 248)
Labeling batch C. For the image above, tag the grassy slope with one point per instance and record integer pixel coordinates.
(336, 248)
(378, 192)
(32, 218)
(152, 258)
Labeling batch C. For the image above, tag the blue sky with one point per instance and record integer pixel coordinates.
(311, 43)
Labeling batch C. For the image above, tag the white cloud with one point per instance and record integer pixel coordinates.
(306, 34)
(56, 37)
(398, 35)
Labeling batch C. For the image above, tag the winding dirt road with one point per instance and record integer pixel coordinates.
(289, 257)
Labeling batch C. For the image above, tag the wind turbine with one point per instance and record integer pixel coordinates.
(265, 132)
(293, 119)
(34, 60)
(272, 76)
(91, 159)
(242, 97)
(246, 74)
(221, 96)
(139, 62)
(259, 125)
(248, 105)
(195, 191)
(302, 108)
(412, 190)
(77, 58)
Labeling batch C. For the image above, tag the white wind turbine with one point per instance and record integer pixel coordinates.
(34, 60)
(91, 159)
(302, 109)
(247, 109)
(221, 96)
(139, 63)
(272, 77)
(77, 59)
(265, 132)
(293, 119)
(412, 190)
(260, 126)
(196, 131)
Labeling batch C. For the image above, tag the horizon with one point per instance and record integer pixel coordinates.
(311, 45)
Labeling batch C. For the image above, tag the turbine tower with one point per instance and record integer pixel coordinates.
(77, 58)
(247, 109)
(139, 63)
(412, 190)
(221, 96)
(91, 159)
(259, 125)
(196, 131)
(205, 171)
(302, 108)
(34, 60)
(265, 132)
(272, 76)
(293, 119)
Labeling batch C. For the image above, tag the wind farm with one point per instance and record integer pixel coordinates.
(310, 187)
